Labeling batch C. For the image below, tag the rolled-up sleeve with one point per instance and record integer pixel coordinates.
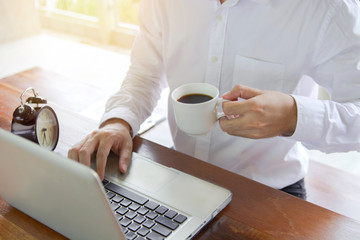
(144, 81)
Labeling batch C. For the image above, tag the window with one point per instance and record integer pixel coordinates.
(126, 12)
(84, 7)
(104, 21)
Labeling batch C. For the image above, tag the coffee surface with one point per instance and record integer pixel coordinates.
(194, 98)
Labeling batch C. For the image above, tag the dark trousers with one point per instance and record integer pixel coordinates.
(297, 189)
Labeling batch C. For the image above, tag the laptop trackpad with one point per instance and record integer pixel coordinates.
(142, 174)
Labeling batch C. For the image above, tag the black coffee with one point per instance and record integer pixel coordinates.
(194, 98)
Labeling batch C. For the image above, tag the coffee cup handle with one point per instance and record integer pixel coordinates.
(221, 114)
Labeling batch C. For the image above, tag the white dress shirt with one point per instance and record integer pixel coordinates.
(287, 46)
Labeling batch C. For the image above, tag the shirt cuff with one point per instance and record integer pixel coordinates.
(124, 114)
(310, 121)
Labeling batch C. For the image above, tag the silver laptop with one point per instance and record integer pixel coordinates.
(151, 201)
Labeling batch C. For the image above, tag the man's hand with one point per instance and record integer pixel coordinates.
(263, 113)
(114, 135)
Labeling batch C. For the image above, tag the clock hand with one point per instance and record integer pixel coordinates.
(44, 135)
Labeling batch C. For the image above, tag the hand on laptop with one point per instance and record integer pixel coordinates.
(114, 136)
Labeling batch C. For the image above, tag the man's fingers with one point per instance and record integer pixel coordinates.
(87, 150)
(73, 153)
(125, 156)
(235, 108)
(242, 127)
(231, 125)
(241, 91)
(101, 158)
(239, 108)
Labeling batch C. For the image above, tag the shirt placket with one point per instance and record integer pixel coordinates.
(213, 72)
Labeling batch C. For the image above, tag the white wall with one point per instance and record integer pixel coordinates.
(18, 19)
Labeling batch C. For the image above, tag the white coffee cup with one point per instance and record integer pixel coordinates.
(196, 118)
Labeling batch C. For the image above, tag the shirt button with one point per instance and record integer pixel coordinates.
(214, 59)
(219, 17)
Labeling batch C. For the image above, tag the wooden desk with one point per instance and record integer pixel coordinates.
(256, 211)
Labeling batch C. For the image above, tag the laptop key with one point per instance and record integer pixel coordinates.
(161, 210)
(130, 236)
(180, 218)
(167, 222)
(140, 238)
(118, 217)
(130, 215)
(134, 227)
(143, 211)
(139, 219)
(104, 182)
(122, 210)
(134, 206)
(162, 230)
(125, 222)
(171, 214)
(117, 199)
(114, 206)
(125, 202)
(110, 195)
(143, 231)
(151, 215)
(148, 224)
(152, 205)
(126, 193)
(154, 236)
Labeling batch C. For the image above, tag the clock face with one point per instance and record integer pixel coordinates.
(47, 128)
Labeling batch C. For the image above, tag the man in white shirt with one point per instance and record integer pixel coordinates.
(272, 53)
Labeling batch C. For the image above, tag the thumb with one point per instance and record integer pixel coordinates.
(241, 91)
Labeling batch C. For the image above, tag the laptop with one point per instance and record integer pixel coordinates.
(150, 201)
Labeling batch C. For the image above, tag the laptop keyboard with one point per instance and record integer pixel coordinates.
(140, 217)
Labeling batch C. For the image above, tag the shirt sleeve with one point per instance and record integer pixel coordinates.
(334, 125)
(144, 81)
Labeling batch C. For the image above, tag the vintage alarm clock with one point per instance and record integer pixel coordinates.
(35, 121)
